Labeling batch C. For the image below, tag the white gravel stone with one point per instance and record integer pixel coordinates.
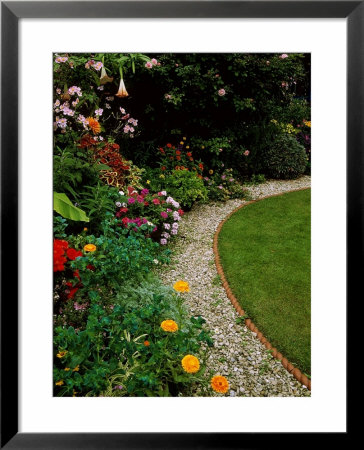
(237, 353)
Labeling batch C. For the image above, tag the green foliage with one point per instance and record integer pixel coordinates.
(185, 187)
(110, 355)
(285, 158)
(120, 255)
(98, 201)
(222, 186)
(63, 205)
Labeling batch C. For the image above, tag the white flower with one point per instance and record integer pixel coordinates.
(121, 193)
(155, 261)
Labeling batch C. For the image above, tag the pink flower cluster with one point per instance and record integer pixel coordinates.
(61, 59)
(96, 65)
(151, 63)
(75, 90)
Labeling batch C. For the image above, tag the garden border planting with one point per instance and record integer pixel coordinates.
(303, 379)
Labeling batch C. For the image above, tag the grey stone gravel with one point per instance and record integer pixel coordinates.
(237, 353)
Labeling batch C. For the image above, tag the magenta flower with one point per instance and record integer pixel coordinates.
(131, 200)
(164, 215)
(145, 191)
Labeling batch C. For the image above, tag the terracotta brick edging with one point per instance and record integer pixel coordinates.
(303, 379)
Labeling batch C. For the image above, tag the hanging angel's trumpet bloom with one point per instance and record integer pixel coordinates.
(122, 90)
(104, 78)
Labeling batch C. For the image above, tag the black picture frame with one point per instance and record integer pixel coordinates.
(11, 12)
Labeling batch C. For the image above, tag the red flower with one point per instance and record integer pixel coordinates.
(180, 212)
(76, 274)
(90, 267)
(169, 145)
(123, 210)
(72, 290)
(156, 201)
(189, 154)
(125, 221)
(72, 254)
(178, 152)
(146, 204)
(59, 259)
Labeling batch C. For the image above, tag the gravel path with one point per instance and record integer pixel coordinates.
(237, 353)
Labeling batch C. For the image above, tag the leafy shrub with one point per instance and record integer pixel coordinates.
(222, 185)
(186, 187)
(285, 158)
(124, 351)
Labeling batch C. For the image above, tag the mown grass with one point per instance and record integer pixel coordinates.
(265, 251)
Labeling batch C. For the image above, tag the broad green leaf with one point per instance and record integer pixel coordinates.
(63, 205)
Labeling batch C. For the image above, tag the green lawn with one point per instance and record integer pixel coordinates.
(265, 250)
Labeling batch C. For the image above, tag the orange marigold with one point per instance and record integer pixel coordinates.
(94, 125)
(190, 364)
(147, 343)
(219, 384)
(89, 248)
(181, 286)
(169, 325)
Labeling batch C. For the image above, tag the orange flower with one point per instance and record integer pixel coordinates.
(169, 325)
(89, 248)
(76, 369)
(147, 343)
(163, 168)
(178, 152)
(181, 286)
(219, 384)
(59, 383)
(189, 154)
(200, 166)
(178, 158)
(190, 364)
(94, 125)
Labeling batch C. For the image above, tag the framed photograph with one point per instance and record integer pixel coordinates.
(63, 65)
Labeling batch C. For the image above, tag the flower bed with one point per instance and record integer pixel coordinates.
(120, 196)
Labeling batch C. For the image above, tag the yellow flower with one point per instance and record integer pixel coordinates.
(190, 364)
(307, 123)
(66, 369)
(181, 142)
(85, 229)
(187, 146)
(169, 325)
(148, 181)
(219, 384)
(181, 286)
(76, 369)
(59, 383)
(62, 354)
(74, 393)
(184, 138)
(89, 248)
(161, 176)
(202, 146)
(211, 171)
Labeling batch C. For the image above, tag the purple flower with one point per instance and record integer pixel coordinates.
(131, 200)
(220, 187)
(174, 231)
(119, 387)
(167, 226)
(223, 177)
(163, 241)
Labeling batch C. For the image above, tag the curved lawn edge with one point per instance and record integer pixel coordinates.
(300, 377)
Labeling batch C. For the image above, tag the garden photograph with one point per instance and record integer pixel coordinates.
(181, 224)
